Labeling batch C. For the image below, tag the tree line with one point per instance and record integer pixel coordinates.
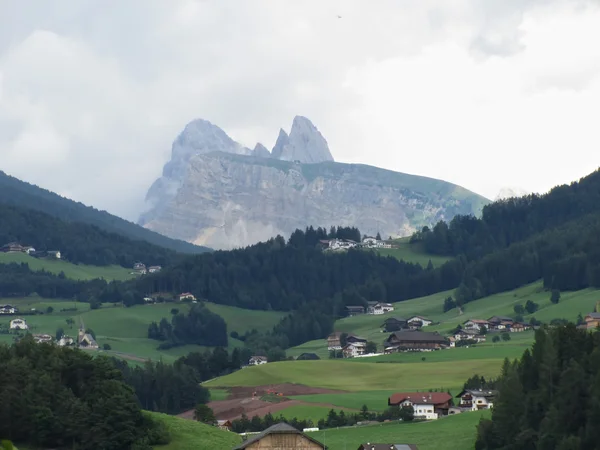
(78, 242)
(549, 399)
(55, 397)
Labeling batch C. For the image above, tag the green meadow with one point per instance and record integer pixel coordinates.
(73, 271)
(411, 253)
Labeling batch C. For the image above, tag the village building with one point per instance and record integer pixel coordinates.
(257, 360)
(42, 338)
(379, 308)
(369, 446)
(469, 335)
(29, 250)
(451, 342)
(475, 399)
(8, 309)
(86, 340)
(224, 425)
(55, 254)
(475, 324)
(499, 323)
(414, 341)
(394, 324)
(65, 341)
(517, 327)
(18, 324)
(416, 320)
(186, 296)
(154, 269)
(281, 436)
(592, 320)
(149, 300)
(12, 247)
(353, 349)
(355, 310)
(333, 341)
(426, 405)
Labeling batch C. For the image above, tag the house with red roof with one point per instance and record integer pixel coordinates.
(426, 405)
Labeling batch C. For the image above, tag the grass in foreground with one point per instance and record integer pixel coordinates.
(73, 271)
(449, 433)
(343, 375)
(191, 435)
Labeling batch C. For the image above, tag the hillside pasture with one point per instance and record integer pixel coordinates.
(413, 253)
(450, 433)
(73, 271)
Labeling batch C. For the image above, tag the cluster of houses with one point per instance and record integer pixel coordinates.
(84, 340)
(15, 247)
(184, 296)
(141, 269)
(475, 329)
(345, 244)
(375, 308)
(8, 309)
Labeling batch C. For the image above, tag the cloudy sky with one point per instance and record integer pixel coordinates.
(483, 93)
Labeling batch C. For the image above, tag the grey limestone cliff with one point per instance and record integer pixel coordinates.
(217, 193)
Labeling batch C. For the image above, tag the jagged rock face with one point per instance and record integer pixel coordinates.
(217, 193)
(304, 144)
(261, 151)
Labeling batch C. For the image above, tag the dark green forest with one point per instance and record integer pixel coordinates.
(78, 242)
(53, 397)
(28, 196)
(550, 398)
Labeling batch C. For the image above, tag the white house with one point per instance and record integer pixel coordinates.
(379, 308)
(54, 254)
(426, 405)
(475, 324)
(469, 334)
(8, 309)
(353, 349)
(416, 319)
(154, 269)
(65, 340)
(475, 399)
(186, 296)
(18, 324)
(148, 300)
(257, 360)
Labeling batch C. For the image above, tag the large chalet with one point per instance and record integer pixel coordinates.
(414, 341)
(426, 405)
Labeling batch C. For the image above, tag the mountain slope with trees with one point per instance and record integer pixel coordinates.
(19, 193)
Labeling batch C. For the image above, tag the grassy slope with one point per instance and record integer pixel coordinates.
(412, 253)
(74, 271)
(360, 377)
(191, 435)
(450, 433)
(125, 329)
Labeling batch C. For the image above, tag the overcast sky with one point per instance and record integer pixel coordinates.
(482, 93)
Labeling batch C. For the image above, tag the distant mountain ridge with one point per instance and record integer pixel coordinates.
(25, 195)
(218, 193)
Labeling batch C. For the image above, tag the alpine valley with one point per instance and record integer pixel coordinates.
(217, 193)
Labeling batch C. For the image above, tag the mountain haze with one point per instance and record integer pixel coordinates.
(218, 193)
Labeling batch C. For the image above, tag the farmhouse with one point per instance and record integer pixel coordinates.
(414, 341)
(186, 296)
(12, 247)
(424, 321)
(18, 324)
(499, 322)
(379, 308)
(154, 269)
(427, 405)
(353, 349)
(475, 324)
(369, 446)
(592, 320)
(65, 341)
(355, 310)
(333, 341)
(394, 324)
(517, 327)
(282, 436)
(354, 339)
(469, 334)
(257, 360)
(42, 338)
(8, 309)
(475, 399)
(53, 254)
(224, 425)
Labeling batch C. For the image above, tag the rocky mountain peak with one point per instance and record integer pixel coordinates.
(304, 144)
(511, 191)
(261, 151)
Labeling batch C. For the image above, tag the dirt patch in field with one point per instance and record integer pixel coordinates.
(247, 400)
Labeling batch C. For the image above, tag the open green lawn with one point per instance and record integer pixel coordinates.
(450, 433)
(191, 435)
(74, 271)
(375, 400)
(411, 253)
(309, 412)
(242, 320)
(344, 375)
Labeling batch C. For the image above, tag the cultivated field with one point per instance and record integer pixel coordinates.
(73, 271)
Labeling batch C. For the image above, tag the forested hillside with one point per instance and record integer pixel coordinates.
(19, 193)
(550, 398)
(77, 242)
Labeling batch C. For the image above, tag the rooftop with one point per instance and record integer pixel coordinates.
(433, 398)
(279, 428)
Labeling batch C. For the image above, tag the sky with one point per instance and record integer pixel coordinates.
(482, 93)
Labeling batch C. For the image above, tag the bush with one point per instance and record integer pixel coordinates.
(555, 296)
(505, 336)
(106, 347)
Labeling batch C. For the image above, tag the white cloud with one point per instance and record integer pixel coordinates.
(484, 94)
